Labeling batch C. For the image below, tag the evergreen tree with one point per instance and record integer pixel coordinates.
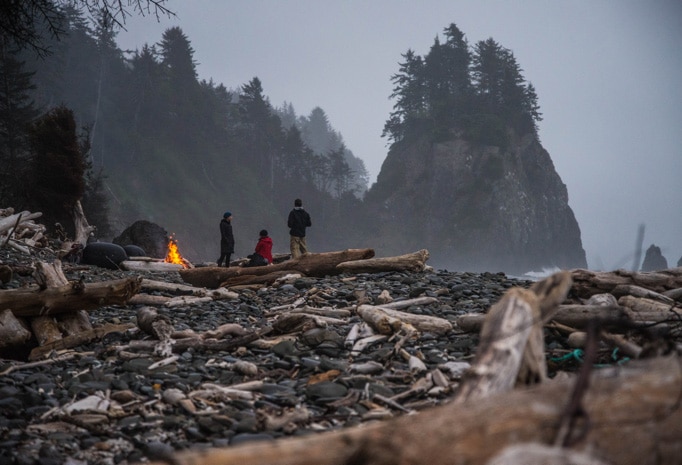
(57, 167)
(17, 111)
(410, 93)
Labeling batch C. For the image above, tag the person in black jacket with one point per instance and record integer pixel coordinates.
(299, 219)
(226, 239)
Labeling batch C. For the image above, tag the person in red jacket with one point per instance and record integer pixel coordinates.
(263, 254)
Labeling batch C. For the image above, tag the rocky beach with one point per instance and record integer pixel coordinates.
(286, 359)
(106, 403)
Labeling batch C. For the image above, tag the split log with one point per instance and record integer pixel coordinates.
(587, 283)
(311, 264)
(414, 262)
(638, 401)
(68, 298)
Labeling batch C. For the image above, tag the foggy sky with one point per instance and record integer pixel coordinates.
(608, 75)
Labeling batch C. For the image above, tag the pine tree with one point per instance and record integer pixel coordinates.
(17, 111)
(57, 169)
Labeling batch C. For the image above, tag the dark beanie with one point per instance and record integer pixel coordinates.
(263, 233)
(227, 214)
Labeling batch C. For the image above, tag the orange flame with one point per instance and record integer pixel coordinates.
(173, 255)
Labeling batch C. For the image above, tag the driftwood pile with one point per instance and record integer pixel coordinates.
(54, 313)
(627, 415)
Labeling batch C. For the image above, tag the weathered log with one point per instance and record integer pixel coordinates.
(643, 309)
(575, 316)
(141, 265)
(637, 291)
(75, 340)
(249, 280)
(45, 329)
(198, 343)
(12, 331)
(638, 401)
(587, 283)
(425, 323)
(311, 264)
(74, 296)
(74, 322)
(82, 228)
(379, 319)
(414, 262)
(154, 324)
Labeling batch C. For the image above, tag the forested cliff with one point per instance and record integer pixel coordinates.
(465, 177)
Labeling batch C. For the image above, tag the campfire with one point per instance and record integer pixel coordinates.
(173, 255)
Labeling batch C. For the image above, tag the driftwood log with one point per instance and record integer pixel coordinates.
(70, 297)
(634, 412)
(312, 264)
(413, 262)
(587, 283)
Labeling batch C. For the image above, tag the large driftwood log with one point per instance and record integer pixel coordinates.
(587, 283)
(312, 264)
(415, 262)
(71, 297)
(634, 411)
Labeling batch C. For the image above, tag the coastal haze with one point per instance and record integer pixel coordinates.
(606, 74)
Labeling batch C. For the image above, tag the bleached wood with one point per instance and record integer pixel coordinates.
(413, 262)
(424, 323)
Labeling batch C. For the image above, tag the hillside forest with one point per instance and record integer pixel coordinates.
(136, 135)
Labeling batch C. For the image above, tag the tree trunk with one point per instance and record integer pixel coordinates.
(634, 412)
(312, 264)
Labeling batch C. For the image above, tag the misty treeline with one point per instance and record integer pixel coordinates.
(137, 135)
(157, 143)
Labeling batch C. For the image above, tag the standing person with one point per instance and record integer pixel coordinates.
(226, 239)
(299, 219)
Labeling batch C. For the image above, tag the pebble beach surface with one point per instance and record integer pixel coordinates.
(103, 403)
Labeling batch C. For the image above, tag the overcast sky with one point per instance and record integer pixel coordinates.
(608, 74)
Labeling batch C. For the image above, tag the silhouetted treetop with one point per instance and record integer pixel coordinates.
(479, 89)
